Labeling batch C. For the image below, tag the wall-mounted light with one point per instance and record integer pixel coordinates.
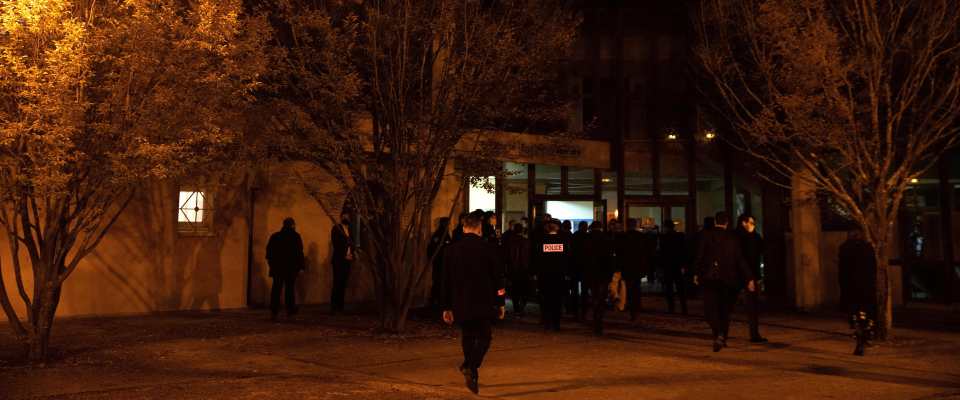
(605, 180)
(914, 180)
(710, 135)
(671, 137)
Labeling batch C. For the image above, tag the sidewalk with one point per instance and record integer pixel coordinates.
(242, 354)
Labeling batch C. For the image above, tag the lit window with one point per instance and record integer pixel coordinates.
(195, 209)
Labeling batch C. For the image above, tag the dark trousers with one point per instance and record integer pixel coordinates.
(572, 298)
(678, 279)
(633, 296)
(551, 290)
(435, 289)
(753, 310)
(599, 292)
(718, 302)
(519, 289)
(283, 282)
(341, 273)
(476, 335)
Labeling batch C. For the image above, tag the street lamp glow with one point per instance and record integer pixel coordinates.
(671, 137)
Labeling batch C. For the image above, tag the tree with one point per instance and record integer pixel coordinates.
(96, 98)
(855, 97)
(370, 100)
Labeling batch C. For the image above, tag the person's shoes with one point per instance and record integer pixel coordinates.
(470, 379)
(516, 315)
(557, 329)
(859, 350)
(633, 318)
(684, 313)
(273, 317)
(758, 339)
(293, 312)
(671, 311)
(719, 343)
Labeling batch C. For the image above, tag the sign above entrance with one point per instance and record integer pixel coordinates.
(547, 150)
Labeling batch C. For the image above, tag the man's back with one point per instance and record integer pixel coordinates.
(472, 275)
(674, 251)
(634, 256)
(285, 251)
(719, 257)
(598, 261)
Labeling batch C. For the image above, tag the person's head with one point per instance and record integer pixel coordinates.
(523, 220)
(547, 217)
(747, 222)
(582, 226)
(551, 226)
(512, 223)
(721, 219)
(478, 213)
(518, 229)
(461, 217)
(567, 225)
(444, 222)
(631, 224)
(708, 222)
(471, 224)
(854, 233)
(289, 223)
(617, 226)
(596, 226)
(668, 225)
(344, 218)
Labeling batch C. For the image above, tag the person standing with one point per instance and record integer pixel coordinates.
(458, 231)
(342, 256)
(578, 299)
(751, 244)
(634, 252)
(719, 267)
(551, 271)
(674, 255)
(516, 252)
(285, 258)
(599, 266)
(857, 271)
(440, 240)
(472, 295)
(489, 230)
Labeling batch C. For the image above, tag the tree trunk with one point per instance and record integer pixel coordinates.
(884, 327)
(394, 318)
(44, 309)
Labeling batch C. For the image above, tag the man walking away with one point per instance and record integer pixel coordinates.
(634, 261)
(516, 249)
(674, 255)
(719, 267)
(342, 256)
(752, 246)
(472, 294)
(578, 295)
(440, 240)
(551, 271)
(599, 266)
(858, 287)
(285, 258)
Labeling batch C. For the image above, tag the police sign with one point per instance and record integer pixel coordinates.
(553, 248)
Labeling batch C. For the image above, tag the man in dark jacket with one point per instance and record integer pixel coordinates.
(719, 267)
(551, 269)
(673, 257)
(599, 266)
(751, 244)
(516, 254)
(440, 240)
(577, 303)
(342, 256)
(472, 294)
(633, 257)
(285, 258)
(857, 270)
(458, 231)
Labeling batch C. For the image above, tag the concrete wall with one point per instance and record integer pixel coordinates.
(145, 265)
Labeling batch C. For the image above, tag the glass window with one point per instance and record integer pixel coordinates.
(515, 198)
(580, 181)
(638, 183)
(608, 193)
(710, 194)
(674, 179)
(548, 179)
(482, 196)
(195, 210)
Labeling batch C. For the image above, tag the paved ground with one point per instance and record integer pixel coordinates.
(242, 354)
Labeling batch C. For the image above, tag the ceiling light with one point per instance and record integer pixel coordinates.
(914, 180)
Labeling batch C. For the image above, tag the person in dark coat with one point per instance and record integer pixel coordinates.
(458, 231)
(599, 266)
(516, 255)
(634, 253)
(857, 267)
(719, 267)
(472, 294)
(340, 236)
(551, 269)
(489, 230)
(578, 300)
(674, 255)
(440, 240)
(752, 246)
(285, 258)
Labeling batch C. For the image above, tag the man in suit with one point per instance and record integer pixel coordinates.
(599, 266)
(674, 255)
(440, 240)
(516, 255)
(472, 294)
(285, 258)
(634, 261)
(719, 267)
(752, 246)
(578, 296)
(342, 256)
